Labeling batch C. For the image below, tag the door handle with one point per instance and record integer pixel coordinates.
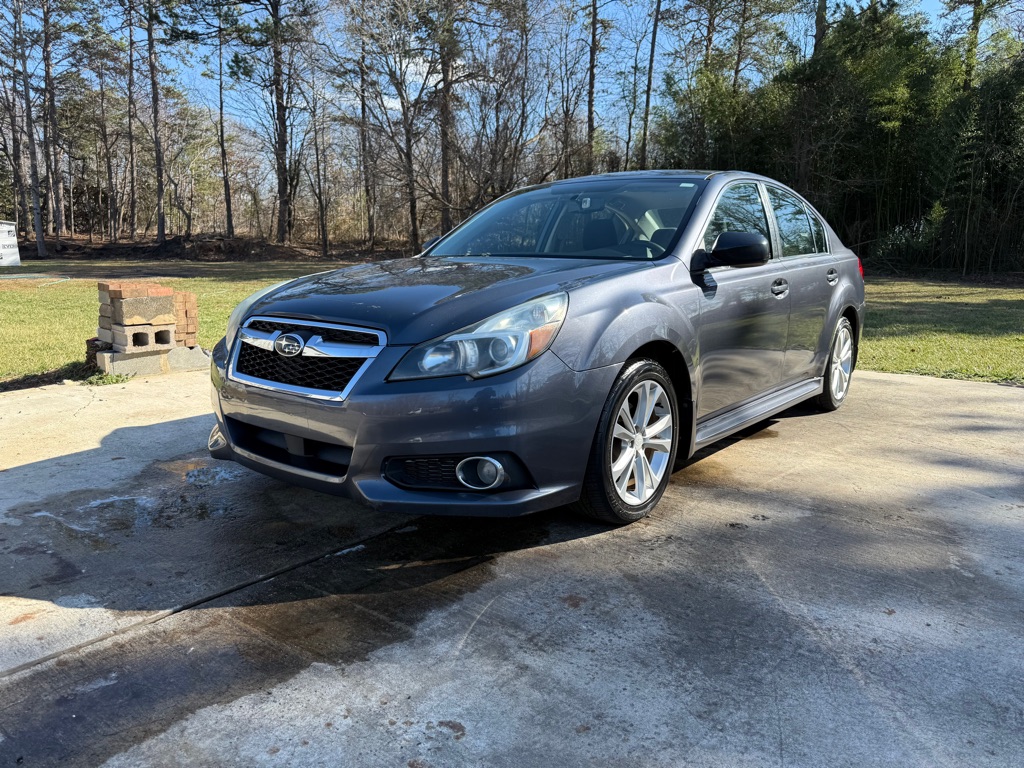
(779, 287)
(832, 276)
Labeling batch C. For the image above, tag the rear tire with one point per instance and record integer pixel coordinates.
(634, 450)
(839, 368)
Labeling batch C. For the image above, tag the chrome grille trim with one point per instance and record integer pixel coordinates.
(315, 347)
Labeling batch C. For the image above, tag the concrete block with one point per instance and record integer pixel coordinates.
(144, 310)
(188, 359)
(145, 363)
(104, 296)
(105, 322)
(133, 363)
(106, 310)
(143, 338)
(105, 335)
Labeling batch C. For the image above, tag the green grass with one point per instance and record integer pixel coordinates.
(44, 323)
(942, 329)
(100, 379)
(950, 330)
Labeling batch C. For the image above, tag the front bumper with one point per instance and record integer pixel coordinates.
(544, 414)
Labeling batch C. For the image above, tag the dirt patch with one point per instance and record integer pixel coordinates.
(208, 248)
(994, 279)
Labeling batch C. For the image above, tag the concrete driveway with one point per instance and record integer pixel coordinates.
(825, 590)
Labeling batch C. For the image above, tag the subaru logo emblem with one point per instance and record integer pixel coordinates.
(289, 344)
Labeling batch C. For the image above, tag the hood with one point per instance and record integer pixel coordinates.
(418, 299)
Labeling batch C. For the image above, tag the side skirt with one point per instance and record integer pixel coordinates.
(715, 429)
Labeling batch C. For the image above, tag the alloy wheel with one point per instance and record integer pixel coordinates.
(842, 363)
(641, 442)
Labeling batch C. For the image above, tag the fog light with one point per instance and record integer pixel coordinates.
(481, 473)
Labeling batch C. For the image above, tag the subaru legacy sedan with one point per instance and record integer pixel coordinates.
(572, 343)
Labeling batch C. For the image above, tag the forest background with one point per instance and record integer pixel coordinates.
(384, 122)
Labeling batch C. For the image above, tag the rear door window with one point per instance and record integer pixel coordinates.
(794, 223)
(820, 241)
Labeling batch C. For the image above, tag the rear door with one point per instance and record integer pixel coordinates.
(812, 274)
(744, 314)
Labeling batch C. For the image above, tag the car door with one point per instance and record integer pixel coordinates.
(744, 314)
(812, 274)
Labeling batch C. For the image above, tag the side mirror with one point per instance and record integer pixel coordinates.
(429, 243)
(734, 249)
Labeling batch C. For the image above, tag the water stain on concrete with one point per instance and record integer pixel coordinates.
(336, 610)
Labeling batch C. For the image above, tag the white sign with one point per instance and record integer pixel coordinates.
(9, 256)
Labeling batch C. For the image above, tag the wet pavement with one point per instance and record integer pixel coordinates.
(840, 589)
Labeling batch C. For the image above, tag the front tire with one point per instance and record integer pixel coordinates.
(635, 446)
(839, 368)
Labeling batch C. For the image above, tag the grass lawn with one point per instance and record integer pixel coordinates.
(951, 330)
(44, 322)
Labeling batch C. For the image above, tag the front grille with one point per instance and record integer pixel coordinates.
(331, 374)
(326, 368)
(333, 335)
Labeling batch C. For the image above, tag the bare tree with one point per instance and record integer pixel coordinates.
(152, 19)
(655, 20)
(21, 48)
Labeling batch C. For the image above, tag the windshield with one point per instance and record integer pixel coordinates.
(605, 219)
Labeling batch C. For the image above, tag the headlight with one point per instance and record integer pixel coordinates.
(498, 344)
(238, 313)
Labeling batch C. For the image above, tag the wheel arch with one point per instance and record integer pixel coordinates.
(850, 313)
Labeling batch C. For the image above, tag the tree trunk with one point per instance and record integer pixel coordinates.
(741, 39)
(280, 122)
(20, 46)
(318, 182)
(591, 82)
(650, 87)
(446, 56)
(112, 216)
(978, 13)
(158, 150)
(85, 196)
(133, 174)
(228, 217)
(51, 135)
(820, 25)
(71, 195)
(709, 40)
(410, 178)
(364, 149)
(17, 163)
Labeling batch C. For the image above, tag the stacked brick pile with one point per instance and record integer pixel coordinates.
(136, 317)
(186, 319)
(146, 328)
